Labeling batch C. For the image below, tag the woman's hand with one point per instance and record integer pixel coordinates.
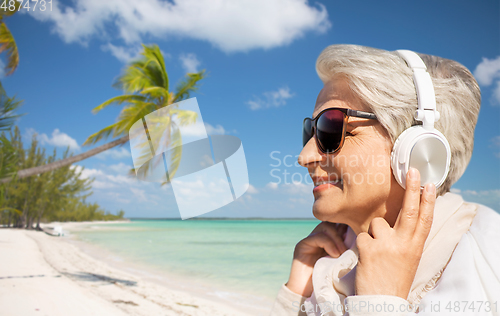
(389, 257)
(325, 239)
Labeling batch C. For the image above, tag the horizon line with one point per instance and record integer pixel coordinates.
(221, 218)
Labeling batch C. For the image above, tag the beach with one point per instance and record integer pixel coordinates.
(46, 275)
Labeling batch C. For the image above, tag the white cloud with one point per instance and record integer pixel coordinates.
(298, 188)
(201, 129)
(121, 179)
(87, 173)
(102, 185)
(139, 194)
(198, 194)
(120, 191)
(113, 153)
(107, 180)
(293, 188)
(217, 130)
(490, 198)
(190, 62)
(496, 92)
(251, 189)
(272, 185)
(123, 54)
(198, 129)
(228, 25)
(488, 73)
(95, 174)
(271, 99)
(120, 168)
(206, 161)
(495, 143)
(58, 139)
(118, 197)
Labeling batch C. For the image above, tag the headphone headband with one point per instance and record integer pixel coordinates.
(426, 112)
(421, 146)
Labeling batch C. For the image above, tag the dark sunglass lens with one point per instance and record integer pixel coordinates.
(307, 131)
(329, 132)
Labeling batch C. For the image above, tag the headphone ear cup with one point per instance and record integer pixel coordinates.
(426, 150)
(398, 168)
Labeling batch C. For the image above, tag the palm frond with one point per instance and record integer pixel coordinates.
(184, 117)
(145, 83)
(8, 45)
(133, 79)
(147, 71)
(156, 92)
(188, 85)
(156, 65)
(7, 108)
(128, 98)
(103, 133)
(129, 115)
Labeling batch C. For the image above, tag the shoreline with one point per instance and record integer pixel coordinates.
(124, 287)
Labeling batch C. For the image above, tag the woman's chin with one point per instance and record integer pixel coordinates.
(326, 210)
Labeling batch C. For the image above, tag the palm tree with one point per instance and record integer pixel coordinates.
(7, 107)
(145, 84)
(7, 42)
(8, 104)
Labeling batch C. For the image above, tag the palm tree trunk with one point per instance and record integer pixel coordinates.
(68, 161)
(40, 210)
(25, 211)
(40, 213)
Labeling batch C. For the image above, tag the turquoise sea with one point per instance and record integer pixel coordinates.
(247, 256)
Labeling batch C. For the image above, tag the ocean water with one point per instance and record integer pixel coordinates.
(248, 256)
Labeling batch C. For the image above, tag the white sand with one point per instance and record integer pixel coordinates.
(45, 275)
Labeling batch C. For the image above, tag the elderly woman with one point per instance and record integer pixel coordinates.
(386, 245)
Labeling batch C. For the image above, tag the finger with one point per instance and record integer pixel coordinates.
(379, 228)
(408, 216)
(332, 231)
(322, 240)
(426, 213)
(363, 240)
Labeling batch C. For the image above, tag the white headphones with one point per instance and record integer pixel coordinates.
(421, 146)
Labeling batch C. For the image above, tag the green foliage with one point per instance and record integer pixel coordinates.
(7, 108)
(8, 158)
(79, 211)
(7, 42)
(145, 84)
(58, 195)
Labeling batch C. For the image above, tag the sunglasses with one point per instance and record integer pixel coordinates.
(329, 127)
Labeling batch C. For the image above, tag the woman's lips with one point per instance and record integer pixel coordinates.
(327, 185)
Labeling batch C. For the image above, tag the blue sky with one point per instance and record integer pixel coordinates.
(261, 82)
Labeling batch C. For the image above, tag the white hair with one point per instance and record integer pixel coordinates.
(384, 83)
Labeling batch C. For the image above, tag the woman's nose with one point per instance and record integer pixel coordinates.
(309, 153)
